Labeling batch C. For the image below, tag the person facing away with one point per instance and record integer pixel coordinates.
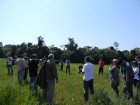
(88, 71)
(20, 62)
(67, 65)
(51, 76)
(137, 58)
(9, 65)
(101, 66)
(136, 71)
(61, 65)
(128, 76)
(27, 59)
(33, 68)
(114, 76)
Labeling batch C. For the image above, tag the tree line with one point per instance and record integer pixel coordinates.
(70, 50)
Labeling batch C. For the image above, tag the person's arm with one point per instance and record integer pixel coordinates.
(99, 63)
(136, 70)
(84, 69)
(103, 63)
(55, 72)
(16, 61)
(111, 66)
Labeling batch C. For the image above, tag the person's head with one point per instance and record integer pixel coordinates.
(115, 62)
(134, 64)
(87, 59)
(34, 56)
(137, 58)
(24, 54)
(121, 62)
(51, 57)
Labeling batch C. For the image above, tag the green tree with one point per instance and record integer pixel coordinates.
(116, 45)
(71, 45)
(40, 41)
(1, 44)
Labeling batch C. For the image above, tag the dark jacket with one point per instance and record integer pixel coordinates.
(51, 71)
(41, 77)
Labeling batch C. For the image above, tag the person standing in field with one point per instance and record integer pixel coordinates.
(137, 58)
(20, 62)
(9, 65)
(61, 65)
(51, 76)
(88, 70)
(67, 65)
(33, 68)
(27, 59)
(128, 76)
(136, 71)
(114, 76)
(101, 66)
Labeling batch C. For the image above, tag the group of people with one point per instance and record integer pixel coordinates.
(67, 65)
(25, 64)
(130, 72)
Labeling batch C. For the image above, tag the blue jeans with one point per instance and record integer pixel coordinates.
(88, 84)
(33, 84)
(48, 92)
(10, 69)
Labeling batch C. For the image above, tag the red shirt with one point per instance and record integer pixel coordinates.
(101, 64)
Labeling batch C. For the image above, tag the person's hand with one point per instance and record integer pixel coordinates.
(56, 80)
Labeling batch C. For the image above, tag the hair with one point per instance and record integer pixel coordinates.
(50, 56)
(135, 63)
(120, 60)
(87, 59)
(34, 56)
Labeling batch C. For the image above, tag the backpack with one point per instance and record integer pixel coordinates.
(41, 80)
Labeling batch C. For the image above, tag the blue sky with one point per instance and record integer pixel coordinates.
(90, 22)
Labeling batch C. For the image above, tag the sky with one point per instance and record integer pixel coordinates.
(95, 23)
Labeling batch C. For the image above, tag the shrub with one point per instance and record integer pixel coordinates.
(102, 98)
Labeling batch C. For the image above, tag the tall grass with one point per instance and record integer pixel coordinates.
(68, 90)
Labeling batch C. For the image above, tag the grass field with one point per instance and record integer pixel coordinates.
(68, 90)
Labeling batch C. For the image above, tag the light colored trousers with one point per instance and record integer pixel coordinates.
(48, 92)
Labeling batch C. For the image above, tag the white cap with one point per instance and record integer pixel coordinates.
(115, 60)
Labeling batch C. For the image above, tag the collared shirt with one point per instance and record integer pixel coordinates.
(88, 70)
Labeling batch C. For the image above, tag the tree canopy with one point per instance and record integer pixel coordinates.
(76, 54)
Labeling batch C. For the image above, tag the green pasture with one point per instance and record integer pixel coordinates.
(68, 90)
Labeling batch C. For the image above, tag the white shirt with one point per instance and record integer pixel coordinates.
(20, 64)
(9, 60)
(88, 70)
(67, 62)
(136, 71)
